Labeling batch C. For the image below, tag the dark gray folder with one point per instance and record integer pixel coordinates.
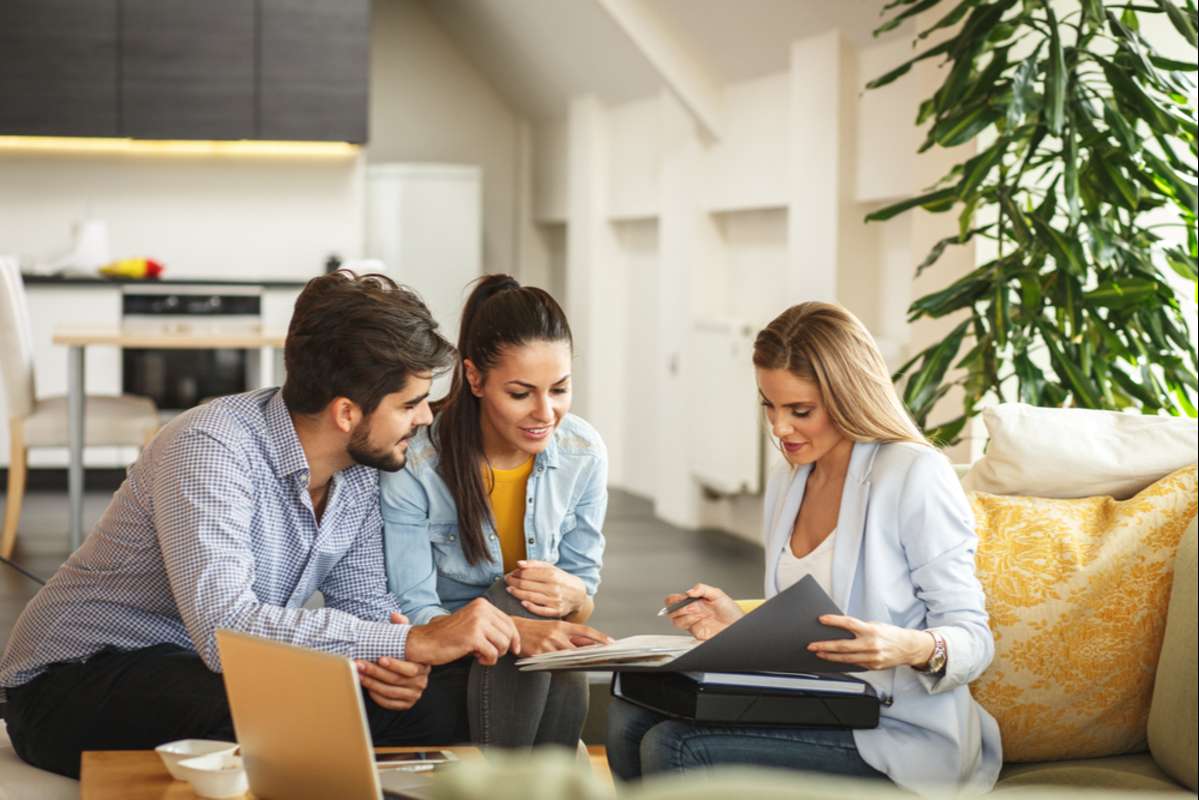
(774, 637)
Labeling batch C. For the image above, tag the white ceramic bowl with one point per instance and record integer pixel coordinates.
(172, 753)
(215, 776)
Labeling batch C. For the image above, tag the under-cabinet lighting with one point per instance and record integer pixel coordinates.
(177, 147)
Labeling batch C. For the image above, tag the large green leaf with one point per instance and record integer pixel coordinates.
(954, 16)
(1180, 189)
(923, 384)
(1056, 77)
(939, 248)
(898, 19)
(1070, 184)
(904, 68)
(947, 433)
(963, 126)
(1121, 293)
(1024, 92)
(976, 170)
(1180, 21)
(1081, 385)
(935, 200)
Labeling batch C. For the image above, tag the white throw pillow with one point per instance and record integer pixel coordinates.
(1076, 452)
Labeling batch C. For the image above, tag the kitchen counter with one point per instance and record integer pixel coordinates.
(97, 280)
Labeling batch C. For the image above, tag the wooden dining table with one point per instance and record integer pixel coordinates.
(77, 340)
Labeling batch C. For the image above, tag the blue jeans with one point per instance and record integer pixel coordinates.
(643, 742)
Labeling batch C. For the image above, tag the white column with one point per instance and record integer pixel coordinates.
(818, 142)
(595, 279)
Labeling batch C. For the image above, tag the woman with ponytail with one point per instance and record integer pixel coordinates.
(503, 498)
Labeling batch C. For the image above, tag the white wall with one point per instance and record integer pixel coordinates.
(740, 228)
(429, 103)
(200, 216)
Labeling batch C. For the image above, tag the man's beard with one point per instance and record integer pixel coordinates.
(360, 450)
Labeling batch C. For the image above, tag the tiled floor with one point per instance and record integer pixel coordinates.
(645, 559)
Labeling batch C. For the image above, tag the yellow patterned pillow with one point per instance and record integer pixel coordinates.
(1077, 591)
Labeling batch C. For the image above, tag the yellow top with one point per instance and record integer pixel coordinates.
(508, 505)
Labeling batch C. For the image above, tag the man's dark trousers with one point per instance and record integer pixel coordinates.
(140, 699)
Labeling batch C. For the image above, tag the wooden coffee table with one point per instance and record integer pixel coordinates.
(140, 775)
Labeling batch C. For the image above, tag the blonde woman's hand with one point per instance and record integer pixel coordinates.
(545, 589)
(875, 645)
(708, 616)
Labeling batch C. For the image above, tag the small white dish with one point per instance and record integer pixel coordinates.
(216, 776)
(172, 753)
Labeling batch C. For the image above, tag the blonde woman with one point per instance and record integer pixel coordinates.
(875, 514)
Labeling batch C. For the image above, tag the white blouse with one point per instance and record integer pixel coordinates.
(818, 564)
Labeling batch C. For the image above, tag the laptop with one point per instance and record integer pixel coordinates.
(302, 726)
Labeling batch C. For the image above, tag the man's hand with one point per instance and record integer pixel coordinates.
(546, 635)
(478, 628)
(546, 590)
(393, 684)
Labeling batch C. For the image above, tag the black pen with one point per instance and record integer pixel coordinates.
(673, 607)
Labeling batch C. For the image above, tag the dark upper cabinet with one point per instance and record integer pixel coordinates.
(314, 69)
(187, 69)
(58, 67)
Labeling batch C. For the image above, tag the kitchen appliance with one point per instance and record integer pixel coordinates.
(180, 379)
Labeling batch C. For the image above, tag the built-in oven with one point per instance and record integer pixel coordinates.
(178, 379)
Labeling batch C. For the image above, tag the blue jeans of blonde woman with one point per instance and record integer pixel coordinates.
(643, 742)
(510, 708)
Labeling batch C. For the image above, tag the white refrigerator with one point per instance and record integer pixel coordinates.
(425, 223)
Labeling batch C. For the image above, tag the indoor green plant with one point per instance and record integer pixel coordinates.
(1083, 131)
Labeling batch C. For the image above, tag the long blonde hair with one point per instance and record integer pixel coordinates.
(826, 344)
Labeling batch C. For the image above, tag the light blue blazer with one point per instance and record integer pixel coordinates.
(904, 554)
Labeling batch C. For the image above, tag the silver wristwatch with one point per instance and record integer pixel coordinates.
(936, 662)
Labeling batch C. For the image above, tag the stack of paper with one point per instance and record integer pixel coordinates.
(633, 651)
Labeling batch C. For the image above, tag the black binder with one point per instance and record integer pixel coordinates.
(677, 695)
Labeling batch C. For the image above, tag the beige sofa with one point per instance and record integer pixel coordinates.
(1167, 768)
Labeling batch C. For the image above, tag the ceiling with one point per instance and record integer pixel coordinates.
(540, 53)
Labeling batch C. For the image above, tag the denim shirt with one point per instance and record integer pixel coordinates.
(566, 499)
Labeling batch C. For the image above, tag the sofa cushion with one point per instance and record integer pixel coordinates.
(19, 781)
(1174, 715)
(1078, 452)
(1129, 772)
(1077, 591)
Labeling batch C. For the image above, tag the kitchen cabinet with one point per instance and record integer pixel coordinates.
(58, 67)
(314, 65)
(188, 69)
(181, 69)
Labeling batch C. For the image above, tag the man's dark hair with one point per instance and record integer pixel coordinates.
(358, 337)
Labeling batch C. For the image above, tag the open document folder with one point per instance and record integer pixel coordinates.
(772, 638)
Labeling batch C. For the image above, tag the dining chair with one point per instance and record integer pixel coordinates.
(112, 421)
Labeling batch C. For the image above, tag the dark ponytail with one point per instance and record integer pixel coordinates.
(499, 313)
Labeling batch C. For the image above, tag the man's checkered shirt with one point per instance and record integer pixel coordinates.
(214, 528)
